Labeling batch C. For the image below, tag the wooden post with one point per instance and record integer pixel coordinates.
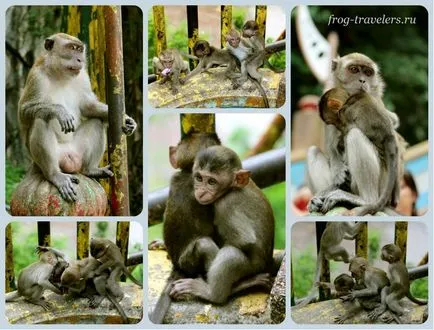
(225, 23)
(44, 235)
(117, 146)
(160, 29)
(401, 228)
(122, 237)
(193, 31)
(82, 239)
(362, 241)
(324, 294)
(261, 19)
(199, 122)
(10, 276)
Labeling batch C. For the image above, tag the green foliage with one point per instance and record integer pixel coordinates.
(101, 229)
(24, 248)
(14, 174)
(374, 244)
(277, 197)
(419, 288)
(303, 266)
(238, 17)
(151, 41)
(138, 270)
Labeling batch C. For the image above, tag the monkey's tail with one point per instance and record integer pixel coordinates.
(131, 277)
(262, 91)
(163, 303)
(119, 308)
(313, 291)
(12, 296)
(416, 300)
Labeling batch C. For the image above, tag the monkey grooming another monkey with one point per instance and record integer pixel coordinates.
(250, 31)
(61, 120)
(355, 73)
(399, 284)
(243, 220)
(342, 285)
(352, 115)
(169, 65)
(331, 249)
(244, 50)
(34, 279)
(209, 56)
(76, 279)
(110, 257)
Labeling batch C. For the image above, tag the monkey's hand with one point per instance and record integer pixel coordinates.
(66, 120)
(349, 297)
(157, 244)
(130, 125)
(340, 319)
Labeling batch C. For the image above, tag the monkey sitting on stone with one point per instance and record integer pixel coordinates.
(399, 284)
(243, 221)
(61, 120)
(210, 56)
(34, 279)
(250, 58)
(353, 117)
(169, 65)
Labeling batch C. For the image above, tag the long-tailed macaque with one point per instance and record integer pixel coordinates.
(61, 120)
(210, 56)
(353, 117)
(250, 31)
(243, 221)
(169, 65)
(250, 59)
(354, 157)
(331, 249)
(399, 284)
(76, 280)
(35, 279)
(110, 257)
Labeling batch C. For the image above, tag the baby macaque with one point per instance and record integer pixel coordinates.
(169, 65)
(210, 56)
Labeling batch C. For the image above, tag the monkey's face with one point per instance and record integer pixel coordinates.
(233, 39)
(167, 59)
(250, 29)
(209, 186)
(201, 48)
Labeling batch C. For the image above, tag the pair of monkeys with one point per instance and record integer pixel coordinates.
(362, 165)
(62, 122)
(248, 49)
(218, 225)
(95, 277)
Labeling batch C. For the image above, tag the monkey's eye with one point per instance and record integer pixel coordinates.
(198, 178)
(353, 69)
(212, 182)
(368, 71)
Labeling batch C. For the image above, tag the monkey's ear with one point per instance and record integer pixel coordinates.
(335, 63)
(172, 157)
(242, 178)
(49, 43)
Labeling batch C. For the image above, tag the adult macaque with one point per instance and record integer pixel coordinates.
(250, 31)
(110, 257)
(210, 56)
(353, 117)
(250, 59)
(356, 74)
(243, 220)
(61, 120)
(34, 279)
(76, 280)
(331, 249)
(169, 65)
(399, 284)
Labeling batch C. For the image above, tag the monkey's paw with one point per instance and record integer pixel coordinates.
(376, 313)
(348, 297)
(340, 319)
(65, 184)
(183, 288)
(315, 204)
(66, 121)
(130, 125)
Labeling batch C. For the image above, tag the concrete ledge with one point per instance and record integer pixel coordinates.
(76, 311)
(214, 90)
(252, 308)
(324, 313)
